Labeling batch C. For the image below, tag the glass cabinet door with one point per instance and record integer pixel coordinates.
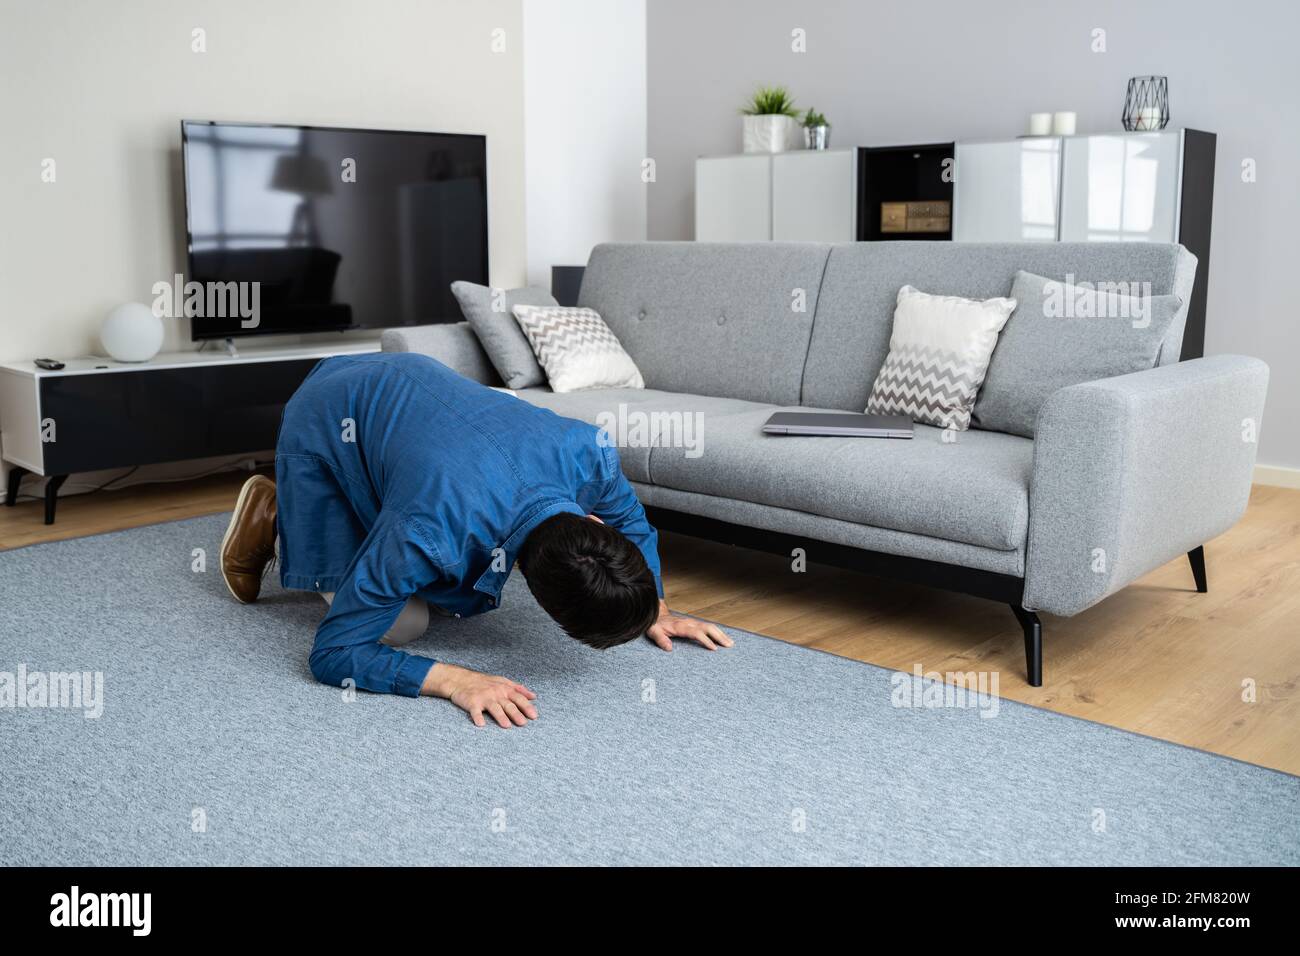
(1121, 187)
(1007, 192)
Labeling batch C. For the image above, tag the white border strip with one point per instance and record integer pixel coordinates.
(1277, 475)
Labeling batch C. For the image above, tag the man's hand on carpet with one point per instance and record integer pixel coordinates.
(669, 625)
(506, 702)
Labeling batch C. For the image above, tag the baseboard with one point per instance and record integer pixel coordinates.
(1277, 475)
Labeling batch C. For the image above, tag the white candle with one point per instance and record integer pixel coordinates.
(1064, 122)
(1148, 118)
(1040, 124)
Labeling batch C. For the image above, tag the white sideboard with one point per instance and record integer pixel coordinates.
(797, 196)
(96, 413)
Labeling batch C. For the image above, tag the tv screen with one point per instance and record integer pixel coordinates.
(339, 228)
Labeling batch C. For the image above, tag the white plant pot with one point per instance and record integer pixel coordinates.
(771, 134)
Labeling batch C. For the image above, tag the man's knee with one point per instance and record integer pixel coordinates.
(411, 623)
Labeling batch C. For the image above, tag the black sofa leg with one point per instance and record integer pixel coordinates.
(1033, 629)
(1197, 559)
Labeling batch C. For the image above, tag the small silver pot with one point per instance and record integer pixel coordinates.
(817, 137)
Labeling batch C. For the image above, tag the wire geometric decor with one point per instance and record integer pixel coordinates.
(1146, 105)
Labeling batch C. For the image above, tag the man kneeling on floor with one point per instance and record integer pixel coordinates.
(402, 486)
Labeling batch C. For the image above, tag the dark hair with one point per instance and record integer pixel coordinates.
(591, 579)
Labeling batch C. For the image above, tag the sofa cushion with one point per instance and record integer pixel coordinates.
(855, 308)
(638, 418)
(730, 320)
(1061, 334)
(814, 528)
(973, 490)
(505, 343)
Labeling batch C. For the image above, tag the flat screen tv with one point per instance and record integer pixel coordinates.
(340, 228)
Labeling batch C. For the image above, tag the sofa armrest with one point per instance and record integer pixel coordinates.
(454, 345)
(1134, 471)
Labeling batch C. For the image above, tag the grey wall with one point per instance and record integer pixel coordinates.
(933, 70)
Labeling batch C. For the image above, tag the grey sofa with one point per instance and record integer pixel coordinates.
(1123, 475)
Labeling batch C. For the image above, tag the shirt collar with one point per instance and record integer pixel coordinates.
(491, 581)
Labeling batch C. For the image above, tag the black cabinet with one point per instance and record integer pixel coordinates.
(89, 417)
(905, 192)
(147, 417)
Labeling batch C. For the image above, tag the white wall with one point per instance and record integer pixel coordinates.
(585, 128)
(935, 70)
(101, 87)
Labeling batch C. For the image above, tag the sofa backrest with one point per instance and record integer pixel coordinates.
(855, 309)
(723, 319)
(719, 319)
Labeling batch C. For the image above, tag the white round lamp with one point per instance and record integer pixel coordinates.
(132, 333)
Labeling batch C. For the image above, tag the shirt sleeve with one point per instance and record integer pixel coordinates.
(619, 508)
(394, 562)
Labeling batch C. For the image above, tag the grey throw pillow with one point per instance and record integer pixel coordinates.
(505, 343)
(1063, 335)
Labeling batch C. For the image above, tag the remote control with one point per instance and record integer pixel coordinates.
(52, 364)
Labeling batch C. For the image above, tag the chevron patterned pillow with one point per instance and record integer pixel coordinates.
(938, 354)
(576, 349)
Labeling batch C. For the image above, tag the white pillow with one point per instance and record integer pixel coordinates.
(938, 355)
(577, 349)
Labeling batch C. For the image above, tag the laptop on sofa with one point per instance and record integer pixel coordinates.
(856, 424)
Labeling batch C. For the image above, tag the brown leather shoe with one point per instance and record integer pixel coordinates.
(249, 544)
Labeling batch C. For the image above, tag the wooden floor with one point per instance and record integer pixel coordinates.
(1157, 658)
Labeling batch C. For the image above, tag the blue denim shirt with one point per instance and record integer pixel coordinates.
(397, 476)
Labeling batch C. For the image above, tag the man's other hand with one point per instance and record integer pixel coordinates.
(669, 625)
(500, 698)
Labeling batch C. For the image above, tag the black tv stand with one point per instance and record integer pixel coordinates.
(97, 414)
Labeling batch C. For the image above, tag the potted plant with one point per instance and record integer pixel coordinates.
(771, 122)
(816, 130)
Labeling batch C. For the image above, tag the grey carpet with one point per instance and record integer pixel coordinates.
(767, 753)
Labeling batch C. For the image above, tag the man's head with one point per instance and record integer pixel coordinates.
(591, 579)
